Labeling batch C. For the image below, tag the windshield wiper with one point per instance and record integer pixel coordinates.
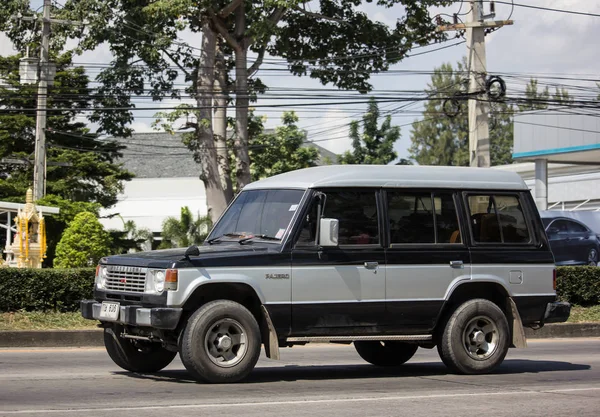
(263, 237)
(218, 238)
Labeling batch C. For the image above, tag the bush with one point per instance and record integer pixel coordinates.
(44, 289)
(578, 284)
(83, 243)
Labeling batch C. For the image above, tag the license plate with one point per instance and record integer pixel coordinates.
(110, 311)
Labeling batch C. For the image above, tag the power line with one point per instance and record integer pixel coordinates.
(548, 9)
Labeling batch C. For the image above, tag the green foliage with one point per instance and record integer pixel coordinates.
(281, 151)
(185, 231)
(442, 140)
(579, 284)
(44, 289)
(83, 243)
(540, 100)
(376, 144)
(130, 239)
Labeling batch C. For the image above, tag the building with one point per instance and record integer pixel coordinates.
(166, 179)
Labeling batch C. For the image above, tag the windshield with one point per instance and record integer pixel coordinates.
(259, 213)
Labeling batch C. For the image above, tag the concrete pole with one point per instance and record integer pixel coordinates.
(541, 184)
(479, 134)
(39, 171)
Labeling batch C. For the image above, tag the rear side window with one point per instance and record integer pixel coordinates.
(577, 228)
(498, 219)
(422, 217)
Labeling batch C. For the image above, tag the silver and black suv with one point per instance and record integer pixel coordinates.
(389, 258)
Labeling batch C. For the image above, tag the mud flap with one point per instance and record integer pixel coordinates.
(516, 326)
(272, 345)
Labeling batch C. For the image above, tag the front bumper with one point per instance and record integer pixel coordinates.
(135, 315)
(557, 312)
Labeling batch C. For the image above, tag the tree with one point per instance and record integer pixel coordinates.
(376, 144)
(83, 243)
(185, 231)
(438, 139)
(81, 174)
(316, 43)
(130, 239)
(535, 100)
(281, 151)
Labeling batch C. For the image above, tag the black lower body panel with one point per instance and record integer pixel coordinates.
(533, 308)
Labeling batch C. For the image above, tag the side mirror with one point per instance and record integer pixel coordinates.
(192, 251)
(328, 232)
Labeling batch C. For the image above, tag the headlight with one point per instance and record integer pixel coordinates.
(159, 281)
(155, 281)
(101, 275)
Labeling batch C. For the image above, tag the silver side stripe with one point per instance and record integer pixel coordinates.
(327, 339)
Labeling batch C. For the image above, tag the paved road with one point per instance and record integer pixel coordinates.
(551, 377)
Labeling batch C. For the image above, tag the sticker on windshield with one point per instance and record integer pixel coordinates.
(280, 233)
(293, 207)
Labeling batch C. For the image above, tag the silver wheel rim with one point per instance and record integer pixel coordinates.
(593, 257)
(480, 338)
(225, 343)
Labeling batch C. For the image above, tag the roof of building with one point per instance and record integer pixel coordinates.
(162, 155)
(394, 176)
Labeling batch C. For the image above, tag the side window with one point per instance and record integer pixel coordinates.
(357, 214)
(559, 226)
(411, 218)
(498, 219)
(576, 228)
(308, 233)
(446, 219)
(422, 218)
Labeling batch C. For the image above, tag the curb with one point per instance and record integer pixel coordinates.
(51, 338)
(91, 338)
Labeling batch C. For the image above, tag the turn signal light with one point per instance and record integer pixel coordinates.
(97, 270)
(554, 279)
(171, 280)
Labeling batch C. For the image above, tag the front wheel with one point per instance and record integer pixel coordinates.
(475, 339)
(385, 353)
(133, 355)
(221, 342)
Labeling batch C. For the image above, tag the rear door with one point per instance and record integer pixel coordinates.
(579, 242)
(425, 254)
(558, 236)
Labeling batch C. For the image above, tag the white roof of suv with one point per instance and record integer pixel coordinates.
(409, 176)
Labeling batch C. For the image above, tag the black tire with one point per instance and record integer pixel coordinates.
(135, 356)
(203, 340)
(475, 338)
(385, 353)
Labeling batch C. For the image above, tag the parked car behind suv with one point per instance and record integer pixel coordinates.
(572, 242)
(389, 258)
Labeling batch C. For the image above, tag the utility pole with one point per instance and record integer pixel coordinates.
(476, 25)
(45, 76)
(39, 169)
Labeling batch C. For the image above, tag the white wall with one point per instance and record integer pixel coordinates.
(148, 201)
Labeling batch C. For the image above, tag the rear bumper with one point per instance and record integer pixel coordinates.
(135, 315)
(557, 312)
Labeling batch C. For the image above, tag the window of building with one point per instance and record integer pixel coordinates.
(498, 219)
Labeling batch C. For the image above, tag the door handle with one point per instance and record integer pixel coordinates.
(371, 265)
(457, 264)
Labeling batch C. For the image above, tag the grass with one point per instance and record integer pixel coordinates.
(35, 320)
(584, 314)
(50, 320)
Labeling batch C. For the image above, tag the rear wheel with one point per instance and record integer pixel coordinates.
(475, 339)
(385, 353)
(134, 355)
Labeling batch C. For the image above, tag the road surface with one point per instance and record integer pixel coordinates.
(551, 377)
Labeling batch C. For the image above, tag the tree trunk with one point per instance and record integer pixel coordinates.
(205, 151)
(242, 164)
(220, 123)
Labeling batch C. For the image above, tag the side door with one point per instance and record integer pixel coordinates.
(579, 242)
(558, 236)
(425, 256)
(339, 290)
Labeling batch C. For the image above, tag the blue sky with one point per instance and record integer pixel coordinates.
(539, 42)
